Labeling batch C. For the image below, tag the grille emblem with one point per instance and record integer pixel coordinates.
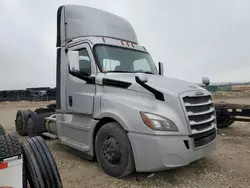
(192, 86)
(198, 93)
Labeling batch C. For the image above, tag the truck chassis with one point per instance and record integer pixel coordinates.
(42, 121)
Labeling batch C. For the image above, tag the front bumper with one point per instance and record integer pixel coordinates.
(156, 153)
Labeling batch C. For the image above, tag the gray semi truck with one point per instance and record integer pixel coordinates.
(113, 104)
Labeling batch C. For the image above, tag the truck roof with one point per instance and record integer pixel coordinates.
(74, 21)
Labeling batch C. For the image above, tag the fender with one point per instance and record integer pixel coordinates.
(104, 114)
(114, 115)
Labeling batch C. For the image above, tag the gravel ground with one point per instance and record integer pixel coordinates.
(228, 166)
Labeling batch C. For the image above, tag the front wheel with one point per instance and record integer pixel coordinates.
(113, 150)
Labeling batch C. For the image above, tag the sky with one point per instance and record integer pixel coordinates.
(193, 38)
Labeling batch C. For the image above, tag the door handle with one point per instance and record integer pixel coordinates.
(70, 101)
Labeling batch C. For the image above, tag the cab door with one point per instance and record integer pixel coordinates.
(80, 90)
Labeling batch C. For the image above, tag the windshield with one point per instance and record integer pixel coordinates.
(116, 59)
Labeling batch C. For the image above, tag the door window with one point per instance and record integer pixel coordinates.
(83, 65)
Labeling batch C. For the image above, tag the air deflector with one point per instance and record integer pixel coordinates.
(74, 21)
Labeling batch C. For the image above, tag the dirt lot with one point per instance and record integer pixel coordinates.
(228, 166)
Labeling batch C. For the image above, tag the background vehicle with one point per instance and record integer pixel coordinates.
(228, 113)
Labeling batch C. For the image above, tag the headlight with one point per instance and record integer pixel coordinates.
(158, 123)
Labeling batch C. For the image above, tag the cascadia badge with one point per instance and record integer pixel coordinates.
(199, 93)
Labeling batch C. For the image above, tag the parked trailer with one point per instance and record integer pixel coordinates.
(228, 113)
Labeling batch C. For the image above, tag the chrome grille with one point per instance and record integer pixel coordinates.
(200, 112)
(196, 100)
(204, 138)
(200, 118)
(197, 109)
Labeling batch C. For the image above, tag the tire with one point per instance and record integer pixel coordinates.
(9, 146)
(32, 125)
(41, 167)
(110, 140)
(2, 131)
(33, 172)
(37, 123)
(21, 122)
(224, 123)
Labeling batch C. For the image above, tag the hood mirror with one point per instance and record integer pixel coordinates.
(205, 81)
(142, 77)
(160, 67)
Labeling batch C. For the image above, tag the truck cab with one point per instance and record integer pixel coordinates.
(114, 105)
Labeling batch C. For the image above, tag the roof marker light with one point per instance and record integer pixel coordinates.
(132, 44)
(127, 43)
(103, 39)
(122, 42)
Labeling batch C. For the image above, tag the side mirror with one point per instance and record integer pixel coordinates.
(73, 59)
(142, 77)
(205, 81)
(160, 67)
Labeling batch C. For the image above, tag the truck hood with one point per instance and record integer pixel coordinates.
(170, 86)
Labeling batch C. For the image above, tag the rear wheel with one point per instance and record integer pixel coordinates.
(32, 128)
(113, 150)
(2, 131)
(22, 122)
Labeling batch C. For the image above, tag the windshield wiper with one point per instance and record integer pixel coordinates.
(120, 71)
(148, 72)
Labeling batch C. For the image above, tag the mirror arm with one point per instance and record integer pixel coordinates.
(160, 67)
(158, 95)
